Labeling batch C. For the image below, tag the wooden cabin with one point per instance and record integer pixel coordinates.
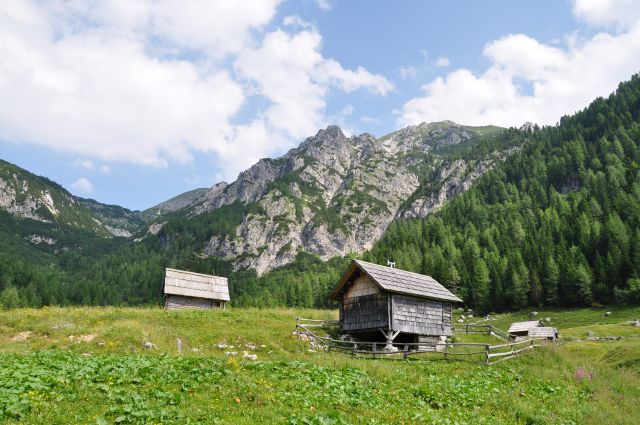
(523, 328)
(543, 332)
(184, 289)
(401, 307)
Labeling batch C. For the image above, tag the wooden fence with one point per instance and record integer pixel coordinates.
(468, 351)
(489, 330)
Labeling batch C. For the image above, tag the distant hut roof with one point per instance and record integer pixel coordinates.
(398, 281)
(543, 332)
(524, 326)
(189, 284)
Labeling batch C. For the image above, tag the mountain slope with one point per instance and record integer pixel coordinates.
(39, 217)
(556, 224)
(176, 203)
(552, 221)
(335, 195)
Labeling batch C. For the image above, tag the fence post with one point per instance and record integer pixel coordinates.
(353, 353)
(374, 349)
(446, 351)
(486, 352)
(466, 329)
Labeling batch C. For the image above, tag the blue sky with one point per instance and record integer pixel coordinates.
(133, 102)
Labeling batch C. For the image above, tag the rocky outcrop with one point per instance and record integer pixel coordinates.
(28, 196)
(335, 195)
(16, 199)
(38, 239)
(451, 180)
(116, 231)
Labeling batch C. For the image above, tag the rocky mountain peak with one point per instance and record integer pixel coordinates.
(528, 127)
(335, 194)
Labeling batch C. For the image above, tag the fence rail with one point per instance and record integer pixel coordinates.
(489, 330)
(482, 352)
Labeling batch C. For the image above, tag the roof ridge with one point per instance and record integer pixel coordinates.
(193, 273)
(393, 268)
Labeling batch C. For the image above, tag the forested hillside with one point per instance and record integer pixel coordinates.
(557, 223)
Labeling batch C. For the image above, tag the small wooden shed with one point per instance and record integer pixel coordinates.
(523, 328)
(183, 289)
(544, 332)
(403, 307)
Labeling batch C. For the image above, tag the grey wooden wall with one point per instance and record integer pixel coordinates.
(420, 316)
(180, 301)
(366, 312)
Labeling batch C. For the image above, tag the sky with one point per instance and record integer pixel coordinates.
(131, 102)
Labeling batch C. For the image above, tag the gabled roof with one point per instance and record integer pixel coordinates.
(188, 284)
(398, 281)
(543, 332)
(524, 326)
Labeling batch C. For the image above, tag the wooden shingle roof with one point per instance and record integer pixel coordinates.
(398, 281)
(524, 326)
(189, 284)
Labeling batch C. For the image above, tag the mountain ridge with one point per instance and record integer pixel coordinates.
(334, 195)
(554, 222)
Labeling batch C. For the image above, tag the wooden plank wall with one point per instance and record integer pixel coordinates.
(420, 316)
(361, 286)
(366, 312)
(364, 306)
(447, 316)
(179, 301)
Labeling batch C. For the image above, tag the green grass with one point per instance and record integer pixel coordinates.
(46, 377)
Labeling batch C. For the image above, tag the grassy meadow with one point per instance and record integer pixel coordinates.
(90, 366)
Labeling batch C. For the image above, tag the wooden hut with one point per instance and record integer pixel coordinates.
(523, 328)
(544, 332)
(403, 307)
(184, 289)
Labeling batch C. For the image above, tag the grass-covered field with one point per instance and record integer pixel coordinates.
(88, 366)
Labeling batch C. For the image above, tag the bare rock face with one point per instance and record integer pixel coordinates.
(116, 231)
(335, 195)
(16, 199)
(453, 178)
(38, 239)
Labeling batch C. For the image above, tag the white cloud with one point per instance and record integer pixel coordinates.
(529, 81)
(149, 82)
(217, 27)
(408, 72)
(347, 110)
(90, 166)
(426, 67)
(83, 185)
(442, 62)
(296, 21)
(292, 74)
(324, 4)
(85, 163)
(621, 14)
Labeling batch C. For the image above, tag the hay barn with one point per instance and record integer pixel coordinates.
(396, 306)
(183, 289)
(523, 328)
